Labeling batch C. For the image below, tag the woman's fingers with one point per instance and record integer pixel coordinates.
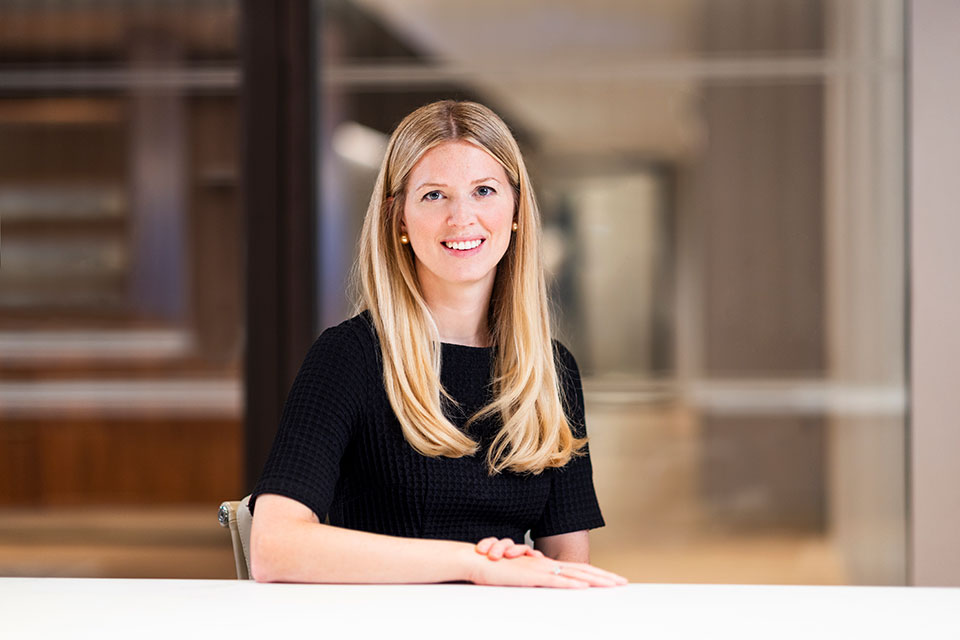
(518, 550)
(571, 574)
(484, 545)
(592, 579)
(584, 577)
(493, 548)
(534, 571)
(496, 549)
(590, 573)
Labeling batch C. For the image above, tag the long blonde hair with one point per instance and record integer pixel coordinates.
(535, 432)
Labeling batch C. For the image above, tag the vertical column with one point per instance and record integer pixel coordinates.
(934, 278)
(864, 283)
(278, 178)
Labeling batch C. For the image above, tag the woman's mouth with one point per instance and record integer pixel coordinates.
(463, 247)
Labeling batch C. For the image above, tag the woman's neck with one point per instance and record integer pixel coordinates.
(460, 311)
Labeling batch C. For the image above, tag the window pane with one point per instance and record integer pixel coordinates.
(721, 185)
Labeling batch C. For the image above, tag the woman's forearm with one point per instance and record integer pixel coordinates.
(301, 551)
(288, 544)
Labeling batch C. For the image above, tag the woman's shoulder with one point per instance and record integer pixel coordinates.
(359, 326)
(353, 340)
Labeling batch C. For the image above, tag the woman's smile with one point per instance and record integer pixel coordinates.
(463, 247)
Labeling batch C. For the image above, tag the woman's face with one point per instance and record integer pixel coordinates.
(458, 214)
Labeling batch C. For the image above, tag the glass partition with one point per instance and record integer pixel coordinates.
(722, 193)
(121, 322)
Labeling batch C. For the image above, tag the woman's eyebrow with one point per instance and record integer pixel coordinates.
(437, 184)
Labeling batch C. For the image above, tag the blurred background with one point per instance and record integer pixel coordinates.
(722, 185)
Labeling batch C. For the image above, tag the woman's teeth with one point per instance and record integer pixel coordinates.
(463, 246)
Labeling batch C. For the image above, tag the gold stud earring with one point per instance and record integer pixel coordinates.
(515, 226)
(404, 239)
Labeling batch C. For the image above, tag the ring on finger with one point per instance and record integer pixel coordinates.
(557, 569)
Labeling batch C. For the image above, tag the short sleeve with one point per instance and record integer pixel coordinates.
(572, 504)
(319, 414)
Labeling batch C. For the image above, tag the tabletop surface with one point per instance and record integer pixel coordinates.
(106, 608)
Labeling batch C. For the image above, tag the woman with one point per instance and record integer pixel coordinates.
(441, 423)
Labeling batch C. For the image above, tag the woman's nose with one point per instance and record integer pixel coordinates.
(459, 213)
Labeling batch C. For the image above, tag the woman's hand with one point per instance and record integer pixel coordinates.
(540, 571)
(495, 549)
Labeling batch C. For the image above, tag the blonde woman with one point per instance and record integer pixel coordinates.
(442, 422)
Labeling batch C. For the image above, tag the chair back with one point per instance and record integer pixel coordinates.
(235, 515)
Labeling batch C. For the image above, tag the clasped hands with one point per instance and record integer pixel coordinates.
(558, 574)
(505, 548)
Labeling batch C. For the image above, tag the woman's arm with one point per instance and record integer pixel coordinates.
(288, 544)
(566, 547)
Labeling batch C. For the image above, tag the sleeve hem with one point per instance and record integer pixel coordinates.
(282, 487)
(561, 529)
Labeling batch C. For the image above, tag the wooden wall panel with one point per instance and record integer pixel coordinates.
(112, 461)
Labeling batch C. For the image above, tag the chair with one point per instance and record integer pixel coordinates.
(236, 516)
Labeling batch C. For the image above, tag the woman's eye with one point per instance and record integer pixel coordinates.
(485, 191)
(430, 195)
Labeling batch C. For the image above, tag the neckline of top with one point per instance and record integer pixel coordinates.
(465, 346)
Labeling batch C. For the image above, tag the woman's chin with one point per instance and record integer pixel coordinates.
(460, 278)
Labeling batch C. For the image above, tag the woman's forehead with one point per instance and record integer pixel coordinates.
(456, 160)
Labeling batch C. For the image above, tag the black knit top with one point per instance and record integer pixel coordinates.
(340, 451)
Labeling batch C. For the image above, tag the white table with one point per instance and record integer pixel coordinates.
(181, 609)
